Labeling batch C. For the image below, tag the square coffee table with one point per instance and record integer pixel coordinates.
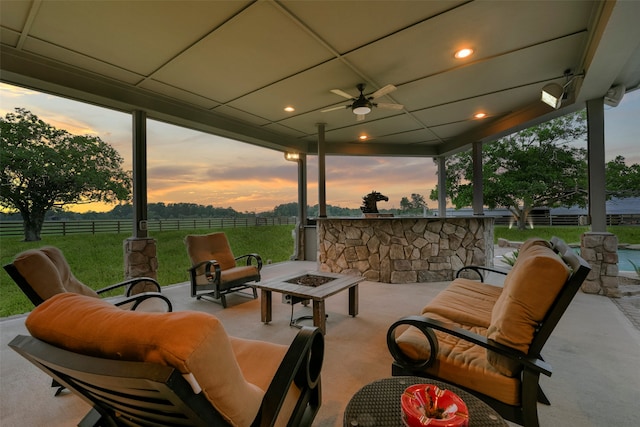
(312, 285)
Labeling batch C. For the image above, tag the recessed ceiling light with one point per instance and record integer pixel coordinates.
(480, 115)
(289, 109)
(363, 137)
(463, 53)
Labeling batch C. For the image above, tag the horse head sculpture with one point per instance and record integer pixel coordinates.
(370, 202)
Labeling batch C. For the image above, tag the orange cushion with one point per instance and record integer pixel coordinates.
(230, 275)
(465, 301)
(214, 246)
(533, 241)
(192, 342)
(259, 361)
(534, 282)
(238, 273)
(460, 362)
(48, 273)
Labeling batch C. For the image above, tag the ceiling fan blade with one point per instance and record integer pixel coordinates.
(390, 106)
(342, 93)
(382, 91)
(341, 107)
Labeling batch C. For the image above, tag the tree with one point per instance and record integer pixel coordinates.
(536, 167)
(622, 180)
(287, 209)
(43, 167)
(405, 204)
(416, 204)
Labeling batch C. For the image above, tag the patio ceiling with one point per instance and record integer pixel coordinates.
(230, 67)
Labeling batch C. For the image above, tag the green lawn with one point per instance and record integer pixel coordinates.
(626, 234)
(96, 260)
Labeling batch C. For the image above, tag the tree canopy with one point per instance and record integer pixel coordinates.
(536, 167)
(42, 167)
(417, 204)
(622, 180)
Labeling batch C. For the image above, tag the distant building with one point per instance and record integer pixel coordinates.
(628, 206)
(619, 211)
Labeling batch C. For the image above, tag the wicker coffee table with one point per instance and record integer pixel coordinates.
(313, 285)
(378, 404)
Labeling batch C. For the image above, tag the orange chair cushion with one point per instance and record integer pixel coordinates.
(460, 362)
(230, 276)
(238, 273)
(48, 273)
(529, 290)
(466, 302)
(214, 246)
(258, 365)
(192, 342)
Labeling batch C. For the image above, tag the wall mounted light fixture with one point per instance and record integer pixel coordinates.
(553, 93)
(292, 157)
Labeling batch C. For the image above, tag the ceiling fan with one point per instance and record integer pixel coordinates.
(363, 104)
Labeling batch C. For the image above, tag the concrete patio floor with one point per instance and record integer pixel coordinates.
(594, 352)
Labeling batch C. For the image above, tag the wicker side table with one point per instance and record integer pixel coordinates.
(378, 404)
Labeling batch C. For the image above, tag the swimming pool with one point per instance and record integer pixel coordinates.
(624, 255)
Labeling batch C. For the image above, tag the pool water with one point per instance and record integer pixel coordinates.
(624, 255)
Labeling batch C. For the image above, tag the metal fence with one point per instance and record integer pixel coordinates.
(63, 228)
(567, 220)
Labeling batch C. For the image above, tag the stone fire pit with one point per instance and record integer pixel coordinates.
(310, 280)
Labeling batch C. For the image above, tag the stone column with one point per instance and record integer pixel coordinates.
(140, 260)
(600, 250)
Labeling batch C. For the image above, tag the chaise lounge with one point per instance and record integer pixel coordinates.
(44, 272)
(170, 369)
(488, 339)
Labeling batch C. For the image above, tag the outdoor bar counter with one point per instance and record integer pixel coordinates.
(404, 249)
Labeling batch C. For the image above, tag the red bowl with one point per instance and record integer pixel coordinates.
(428, 405)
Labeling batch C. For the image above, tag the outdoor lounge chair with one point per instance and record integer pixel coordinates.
(44, 272)
(214, 272)
(487, 339)
(170, 369)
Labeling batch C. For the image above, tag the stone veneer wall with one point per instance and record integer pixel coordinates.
(140, 260)
(600, 250)
(404, 250)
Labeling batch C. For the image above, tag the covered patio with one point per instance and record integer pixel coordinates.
(230, 68)
(594, 352)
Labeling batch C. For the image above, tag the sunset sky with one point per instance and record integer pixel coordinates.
(194, 167)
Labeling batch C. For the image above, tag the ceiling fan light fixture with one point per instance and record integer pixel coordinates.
(361, 109)
(361, 106)
(552, 95)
